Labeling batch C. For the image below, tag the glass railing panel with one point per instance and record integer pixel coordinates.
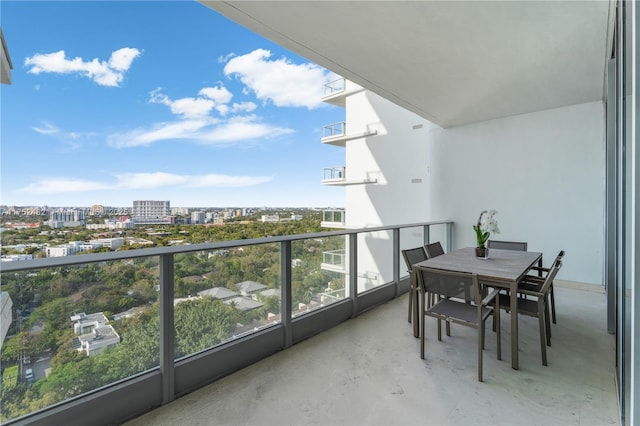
(334, 130)
(220, 295)
(410, 238)
(439, 233)
(77, 328)
(333, 216)
(334, 173)
(318, 273)
(375, 259)
(334, 87)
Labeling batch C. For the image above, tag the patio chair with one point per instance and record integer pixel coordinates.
(536, 307)
(433, 249)
(507, 245)
(534, 282)
(448, 307)
(411, 257)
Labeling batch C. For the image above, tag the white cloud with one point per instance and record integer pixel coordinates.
(46, 129)
(57, 185)
(69, 138)
(184, 107)
(242, 128)
(186, 129)
(149, 180)
(104, 73)
(129, 181)
(279, 81)
(220, 94)
(205, 131)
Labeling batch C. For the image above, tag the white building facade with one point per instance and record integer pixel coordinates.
(151, 212)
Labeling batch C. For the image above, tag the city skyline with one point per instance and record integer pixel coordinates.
(202, 113)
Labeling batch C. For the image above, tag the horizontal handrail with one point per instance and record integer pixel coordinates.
(24, 265)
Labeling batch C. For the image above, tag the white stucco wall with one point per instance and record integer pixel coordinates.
(543, 172)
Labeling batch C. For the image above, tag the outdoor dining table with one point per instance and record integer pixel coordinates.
(502, 269)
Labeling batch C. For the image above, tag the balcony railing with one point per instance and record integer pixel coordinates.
(334, 261)
(334, 130)
(333, 219)
(334, 87)
(334, 173)
(181, 325)
(338, 176)
(336, 133)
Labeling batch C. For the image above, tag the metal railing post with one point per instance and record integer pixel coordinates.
(286, 292)
(396, 259)
(426, 234)
(353, 273)
(167, 330)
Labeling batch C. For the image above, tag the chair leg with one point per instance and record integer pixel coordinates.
(496, 318)
(422, 321)
(541, 323)
(412, 289)
(439, 329)
(547, 323)
(553, 303)
(447, 326)
(480, 340)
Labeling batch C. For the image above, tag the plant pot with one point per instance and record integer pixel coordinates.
(482, 252)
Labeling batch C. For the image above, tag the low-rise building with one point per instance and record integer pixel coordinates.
(270, 218)
(6, 315)
(93, 333)
(111, 243)
(221, 293)
(248, 288)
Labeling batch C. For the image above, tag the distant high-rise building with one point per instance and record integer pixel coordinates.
(151, 212)
(197, 217)
(66, 217)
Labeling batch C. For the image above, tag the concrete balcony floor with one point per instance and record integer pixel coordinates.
(368, 371)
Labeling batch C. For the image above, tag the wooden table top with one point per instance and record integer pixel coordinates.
(506, 266)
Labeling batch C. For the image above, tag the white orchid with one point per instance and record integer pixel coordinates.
(486, 225)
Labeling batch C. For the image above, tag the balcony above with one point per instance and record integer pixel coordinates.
(337, 91)
(334, 261)
(333, 219)
(337, 176)
(336, 134)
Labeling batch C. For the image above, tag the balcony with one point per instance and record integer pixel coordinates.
(334, 261)
(369, 371)
(338, 176)
(372, 358)
(336, 92)
(336, 134)
(181, 328)
(333, 219)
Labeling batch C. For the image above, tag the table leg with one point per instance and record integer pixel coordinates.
(416, 306)
(514, 325)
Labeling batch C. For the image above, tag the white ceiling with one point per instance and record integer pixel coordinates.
(451, 62)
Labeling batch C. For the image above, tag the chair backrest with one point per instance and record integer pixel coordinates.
(550, 276)
(413, 256)
(434, 249)
(460, 285)
(507, 245)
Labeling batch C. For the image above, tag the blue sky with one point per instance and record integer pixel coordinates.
(119, 101)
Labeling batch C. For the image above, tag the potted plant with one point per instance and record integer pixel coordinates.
(485, 226)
